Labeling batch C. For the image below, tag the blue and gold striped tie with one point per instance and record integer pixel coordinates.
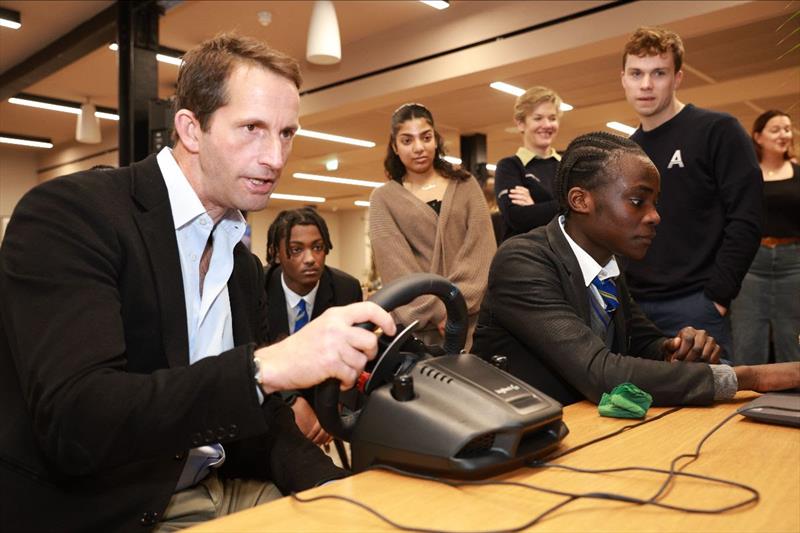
(608, 290)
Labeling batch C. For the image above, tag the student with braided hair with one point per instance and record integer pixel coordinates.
(300, 287)
(558, 307)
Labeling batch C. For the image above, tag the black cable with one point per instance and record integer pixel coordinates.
(402, 527)
(693, 456)
(613, 433)
(672, 474)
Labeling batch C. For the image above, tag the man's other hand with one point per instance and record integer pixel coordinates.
(330, 346)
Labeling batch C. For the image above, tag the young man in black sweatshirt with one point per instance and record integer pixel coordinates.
(710, 199)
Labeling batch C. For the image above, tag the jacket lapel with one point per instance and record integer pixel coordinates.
(576, 290)
(157, 228)
(276, 306)
(324, 299)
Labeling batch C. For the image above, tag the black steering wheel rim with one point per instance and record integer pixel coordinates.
(399, 292)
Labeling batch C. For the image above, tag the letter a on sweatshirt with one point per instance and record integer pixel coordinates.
(676, 160)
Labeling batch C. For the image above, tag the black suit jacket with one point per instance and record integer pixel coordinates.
(335, 288)
(536, 312)
(98, 405)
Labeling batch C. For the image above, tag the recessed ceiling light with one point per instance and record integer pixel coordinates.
(35, 142)
(341, 181)
(436, 4)
(10, 19)
(334, 138)
(507, 88)
(264, 18)
(619, 126)
(361, 203)
(332, 165)
(519, 91)
(163, 58)
(74, 110)
(298, 197)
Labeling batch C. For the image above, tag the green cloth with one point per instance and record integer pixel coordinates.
(625, 401)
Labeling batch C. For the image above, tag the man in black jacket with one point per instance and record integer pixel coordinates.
(300, 287)
(558, 308)
(710, 203)
(133, 392)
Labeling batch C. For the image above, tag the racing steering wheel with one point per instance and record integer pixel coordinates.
(399, 292)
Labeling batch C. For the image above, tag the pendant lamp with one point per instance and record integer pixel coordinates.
(88, 128)
(323, 46)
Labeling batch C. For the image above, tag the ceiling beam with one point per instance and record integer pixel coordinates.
(81, 40)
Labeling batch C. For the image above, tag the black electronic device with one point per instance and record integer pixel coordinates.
(454, 415)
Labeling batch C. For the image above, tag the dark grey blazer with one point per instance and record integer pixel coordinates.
(98, 405)
(536, 312)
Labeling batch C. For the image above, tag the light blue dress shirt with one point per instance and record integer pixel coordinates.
(209, 320)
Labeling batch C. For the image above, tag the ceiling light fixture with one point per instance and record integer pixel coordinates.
(264, 18)
(519, 91)
(436, 4)
(87, 128)
(332, 165)
(298, 197)
(619, 126)
(340, 181)
(334, 138)
(163, 58)
(20, 140)
(323, 46)
(10, 19)
(507, 88)
(54, 104)
(361, 203)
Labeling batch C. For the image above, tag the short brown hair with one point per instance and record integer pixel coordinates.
(527, 101)
(203, 76)
(654, 41)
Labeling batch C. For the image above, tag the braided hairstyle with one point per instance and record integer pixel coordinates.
(281, 230)
(588, 161)
(395, 169)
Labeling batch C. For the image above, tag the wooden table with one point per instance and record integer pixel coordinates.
(763, 456)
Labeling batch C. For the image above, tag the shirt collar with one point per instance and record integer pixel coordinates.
(185, 204)
(589, 267)
(292, 298)
(526, 155)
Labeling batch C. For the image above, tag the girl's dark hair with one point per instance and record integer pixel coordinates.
(394, 166)
(760, 124)
(281, 229)
(588, 161)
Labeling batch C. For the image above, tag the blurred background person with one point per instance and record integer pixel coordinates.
(523, 183)
(768, 305)
(430, 217)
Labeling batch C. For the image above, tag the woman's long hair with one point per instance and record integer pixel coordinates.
(395, 169)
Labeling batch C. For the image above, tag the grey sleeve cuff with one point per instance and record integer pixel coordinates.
(725, 382)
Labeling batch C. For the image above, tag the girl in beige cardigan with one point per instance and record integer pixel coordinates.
(430, 217)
